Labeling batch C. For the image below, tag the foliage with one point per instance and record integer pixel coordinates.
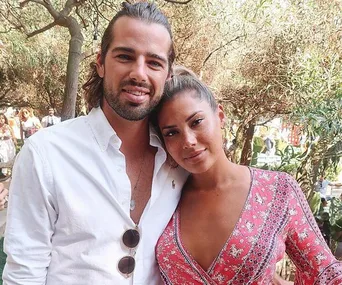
(263, 59)
(30, 75)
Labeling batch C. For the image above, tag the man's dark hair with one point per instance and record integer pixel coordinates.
(146, 12)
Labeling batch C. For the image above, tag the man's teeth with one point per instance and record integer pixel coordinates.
(137, 93)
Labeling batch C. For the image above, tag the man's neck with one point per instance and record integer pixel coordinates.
(133, 134)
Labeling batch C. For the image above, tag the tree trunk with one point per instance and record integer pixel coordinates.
(246, 155)
(240, 141)
(308, 170)
(72, 73)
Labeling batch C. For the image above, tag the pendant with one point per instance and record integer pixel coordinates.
(132, 205)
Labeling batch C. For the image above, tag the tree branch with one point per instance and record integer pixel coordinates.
(45, 3)
(49, 26)
(96, 6)
(218, 48)
(87, 54)
(17, 24)
(178, 2)
(69, 5)
(24, 3)
(80, 16)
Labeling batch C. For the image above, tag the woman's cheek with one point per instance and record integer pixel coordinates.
(171, 149)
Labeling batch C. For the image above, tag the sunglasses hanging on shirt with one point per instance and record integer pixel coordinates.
(130, 239)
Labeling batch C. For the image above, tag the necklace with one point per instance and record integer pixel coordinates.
(132, 203)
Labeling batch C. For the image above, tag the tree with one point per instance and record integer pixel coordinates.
(317, 76)
(262, 96)
(72, 15)
(30, 75)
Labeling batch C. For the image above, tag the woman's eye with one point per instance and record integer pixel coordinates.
(196, 122)
(170, 134)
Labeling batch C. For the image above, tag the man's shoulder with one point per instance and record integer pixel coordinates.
(64, 130)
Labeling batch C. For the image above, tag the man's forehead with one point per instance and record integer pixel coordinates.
(127, 26)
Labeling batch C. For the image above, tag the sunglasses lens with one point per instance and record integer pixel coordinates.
(126, 265)
(131, 238)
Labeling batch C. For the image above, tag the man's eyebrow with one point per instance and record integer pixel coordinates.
(157, 56)
(132, 51)
(123, 49)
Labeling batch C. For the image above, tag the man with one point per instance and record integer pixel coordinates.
(51, 119)
(90, 197)
(322, 186)
(269, 145)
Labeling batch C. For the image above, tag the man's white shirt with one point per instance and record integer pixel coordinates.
(69, 205)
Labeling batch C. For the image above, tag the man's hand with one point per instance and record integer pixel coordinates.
(3, 197)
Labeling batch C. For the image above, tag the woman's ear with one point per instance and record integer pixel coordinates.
(99, 65)
(222, 116)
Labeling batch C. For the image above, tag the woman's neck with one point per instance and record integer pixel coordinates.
(221, 174)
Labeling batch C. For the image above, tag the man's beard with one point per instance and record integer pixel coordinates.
(129, 110)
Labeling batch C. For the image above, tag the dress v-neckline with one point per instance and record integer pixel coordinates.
(193, 263)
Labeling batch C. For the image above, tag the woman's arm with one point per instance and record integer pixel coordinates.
(37, 123)
(3, 197)
(12, 135)
(21, 130)
(305, 244)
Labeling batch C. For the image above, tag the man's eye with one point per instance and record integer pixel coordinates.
(124, 56)
(155, 64)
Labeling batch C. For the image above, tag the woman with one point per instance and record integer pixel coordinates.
(7, 142)
(233, 223)
(29, 124)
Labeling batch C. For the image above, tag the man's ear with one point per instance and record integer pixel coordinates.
(99, 65)
(170, 74)
(222, 116)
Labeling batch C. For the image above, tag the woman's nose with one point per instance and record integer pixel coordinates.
(189, 140)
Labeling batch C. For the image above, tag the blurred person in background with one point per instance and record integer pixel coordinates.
(29, 124)
(50, 119)
(7, 142)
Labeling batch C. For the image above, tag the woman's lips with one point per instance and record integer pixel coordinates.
(195, 155)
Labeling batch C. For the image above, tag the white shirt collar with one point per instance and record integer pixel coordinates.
(105, 134)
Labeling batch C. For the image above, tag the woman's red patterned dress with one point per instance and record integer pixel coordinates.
(276, 218)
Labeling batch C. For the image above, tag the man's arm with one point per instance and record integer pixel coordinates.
(30, 219)
(3, 197)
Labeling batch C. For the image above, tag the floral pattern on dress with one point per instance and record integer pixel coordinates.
(275, 219)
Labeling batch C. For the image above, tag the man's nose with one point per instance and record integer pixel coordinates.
(139, 72)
